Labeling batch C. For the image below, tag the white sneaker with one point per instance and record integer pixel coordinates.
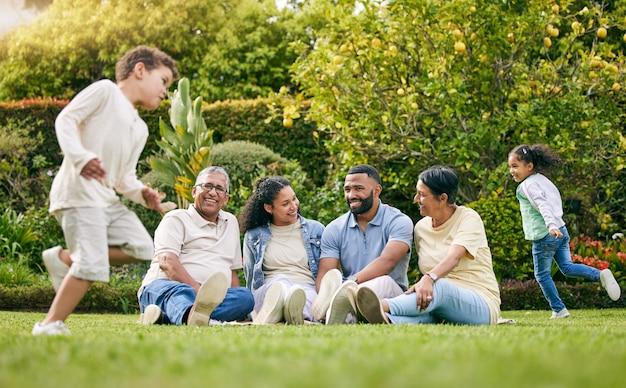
(272, 310)
(56, 268)
(370, 307)
(342, 303)
(54, 328)
(610, 284)
(561, 314)
(330, 284)
(294, 305)
(210, 295)
(152, 314)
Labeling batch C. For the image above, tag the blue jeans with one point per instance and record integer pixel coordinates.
(551, 248)
(175, 300)
(450, 304)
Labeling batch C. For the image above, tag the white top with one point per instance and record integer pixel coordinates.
(202, 247)
(100, 122)
(546, 212)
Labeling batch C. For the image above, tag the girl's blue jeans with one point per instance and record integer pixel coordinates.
(175, 300)
(450, 304)
(551, 248)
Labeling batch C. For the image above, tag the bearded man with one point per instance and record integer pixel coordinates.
(369, 246)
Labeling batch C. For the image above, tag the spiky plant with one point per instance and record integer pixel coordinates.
(185, 146)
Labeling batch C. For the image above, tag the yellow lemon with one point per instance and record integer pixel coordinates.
(547, 42)
(459, 47)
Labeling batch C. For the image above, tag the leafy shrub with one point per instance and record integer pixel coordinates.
(100, 298)
(512, 257)
(16, 274)
(254, 121)
(16, 236)
(37, 117)
(246, 162)
(24, 179)
(46, 233)
(323, 204)
(128, 274)
(527, 295)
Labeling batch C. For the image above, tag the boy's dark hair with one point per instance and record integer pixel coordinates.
(151, 57)
(540, 155)
(366, 169)
(441, 179)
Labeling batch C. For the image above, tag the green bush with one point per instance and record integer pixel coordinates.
(246, 162)
(101, 298)
(14, 274)
(46, 233)
(24, 168)
(323, 204)
(527, 295)
(16, 236)
(252, 120)
(42, 112)
(512, 258)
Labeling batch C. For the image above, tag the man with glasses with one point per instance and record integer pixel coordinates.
(192, 278)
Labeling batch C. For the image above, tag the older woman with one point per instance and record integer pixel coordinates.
(459, 285)
(281, 253)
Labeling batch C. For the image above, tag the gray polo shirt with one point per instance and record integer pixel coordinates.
(344, 240)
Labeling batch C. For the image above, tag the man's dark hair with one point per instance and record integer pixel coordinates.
(366, 169)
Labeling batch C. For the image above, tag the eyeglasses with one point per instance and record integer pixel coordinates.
(209, 186)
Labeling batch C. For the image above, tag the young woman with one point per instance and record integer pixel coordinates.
(281, 252)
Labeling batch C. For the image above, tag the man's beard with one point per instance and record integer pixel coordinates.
(366, 205)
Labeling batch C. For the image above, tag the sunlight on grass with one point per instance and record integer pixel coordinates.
(588, 349)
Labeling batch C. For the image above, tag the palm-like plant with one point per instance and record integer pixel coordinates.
(185, 146)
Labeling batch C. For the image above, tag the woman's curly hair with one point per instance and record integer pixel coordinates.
(253, 213)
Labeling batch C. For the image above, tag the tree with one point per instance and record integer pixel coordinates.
(230, 49)
(412, 83)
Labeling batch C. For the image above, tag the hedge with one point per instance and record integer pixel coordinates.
(230, 120)
(101, 298)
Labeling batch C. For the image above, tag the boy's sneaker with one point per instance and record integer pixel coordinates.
(294, 305)
(56, 268)
(561, 314)
(610, 284)
(342, 303)
(370, 307)
(151, 315)
(210, 295)
(272, 310)
(54, 328)
(329, 285)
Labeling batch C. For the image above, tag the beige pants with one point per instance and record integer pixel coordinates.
(90, 231)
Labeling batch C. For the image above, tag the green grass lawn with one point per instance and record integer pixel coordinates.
(586, 350)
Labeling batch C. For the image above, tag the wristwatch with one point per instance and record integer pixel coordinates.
(432, 276)
(353, 278)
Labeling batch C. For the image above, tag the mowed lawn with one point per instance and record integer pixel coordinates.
(586, 350)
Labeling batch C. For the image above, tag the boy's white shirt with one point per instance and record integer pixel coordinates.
(100, 122)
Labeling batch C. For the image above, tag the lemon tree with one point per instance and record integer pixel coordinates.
(406, 84)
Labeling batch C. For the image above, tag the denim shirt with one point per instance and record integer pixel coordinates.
(255, 241)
